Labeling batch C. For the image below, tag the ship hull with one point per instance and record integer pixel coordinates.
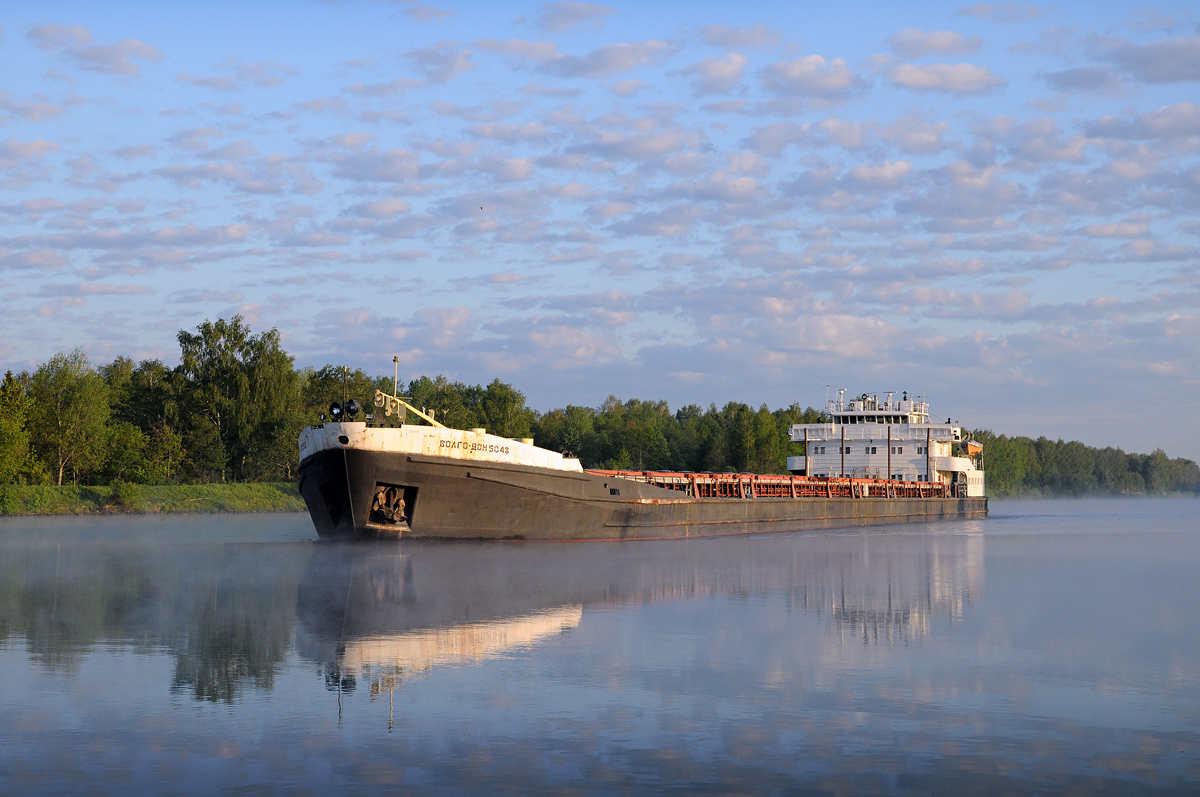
(462, 499)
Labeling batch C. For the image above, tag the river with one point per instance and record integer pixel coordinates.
(1052, 647)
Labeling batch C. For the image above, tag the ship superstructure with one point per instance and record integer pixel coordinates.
(870, 438)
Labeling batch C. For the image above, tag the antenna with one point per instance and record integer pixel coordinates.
(396, 379)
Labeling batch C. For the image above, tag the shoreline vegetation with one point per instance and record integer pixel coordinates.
(138, 499)
(218, 432)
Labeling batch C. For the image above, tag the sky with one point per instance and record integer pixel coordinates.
(990, 205)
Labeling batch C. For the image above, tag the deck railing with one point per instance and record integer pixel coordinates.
(755, 485)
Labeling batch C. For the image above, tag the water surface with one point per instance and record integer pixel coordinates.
(1052, 647)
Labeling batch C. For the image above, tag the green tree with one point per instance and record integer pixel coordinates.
(126, 460)
(14, 433)
(1156, 472)
(164, 453)
(68, 416)
(501, 410)
(739, 435)
(143, 394)
(242, 388)
(204, 458)
(569, 430)
(450, 403)
(632, 434)
(713, 437)
(1008, 462)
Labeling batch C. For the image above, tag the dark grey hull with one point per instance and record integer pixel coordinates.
(460, 499)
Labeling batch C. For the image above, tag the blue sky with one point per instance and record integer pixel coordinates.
(991, 204)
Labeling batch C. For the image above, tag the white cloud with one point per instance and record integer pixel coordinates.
(385, 89)
(611, 59)
(883, 175)
(570, 15)
(381, 209)
(427, 13)
(1172, 60)
(1085, 78)
(916, 136)
(599, 63)
(441, 62)
(22, 161)
(75, 42)
(520, 49)
(945, 78)
(1116, 230)
(915, 43)
(759, 35)
(812, 76)
(32, 111)
(1004, 12)
(717, 75)
(94, 289)
(236, 74)
(627, 88)
(1181, 120)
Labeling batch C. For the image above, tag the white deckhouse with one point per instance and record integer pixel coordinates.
(872, 439)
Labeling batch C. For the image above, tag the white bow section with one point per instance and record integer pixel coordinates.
(431, 441)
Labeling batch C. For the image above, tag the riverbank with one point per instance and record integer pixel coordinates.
(150, 499)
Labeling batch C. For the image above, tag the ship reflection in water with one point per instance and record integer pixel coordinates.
(387, 613)
(171, 655)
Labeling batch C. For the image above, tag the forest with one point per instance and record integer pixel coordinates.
(232, 409)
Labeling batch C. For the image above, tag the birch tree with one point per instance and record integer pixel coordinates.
(68, 415)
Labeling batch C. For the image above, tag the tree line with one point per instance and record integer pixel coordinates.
(1024, 466)
(234, 406)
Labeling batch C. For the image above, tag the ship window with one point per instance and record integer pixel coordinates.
(899, 449)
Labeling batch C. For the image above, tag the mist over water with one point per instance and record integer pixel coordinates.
(1053, 647)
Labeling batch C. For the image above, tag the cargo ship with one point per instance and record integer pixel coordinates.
(390, 478)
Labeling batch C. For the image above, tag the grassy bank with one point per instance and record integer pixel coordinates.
(146, 499)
